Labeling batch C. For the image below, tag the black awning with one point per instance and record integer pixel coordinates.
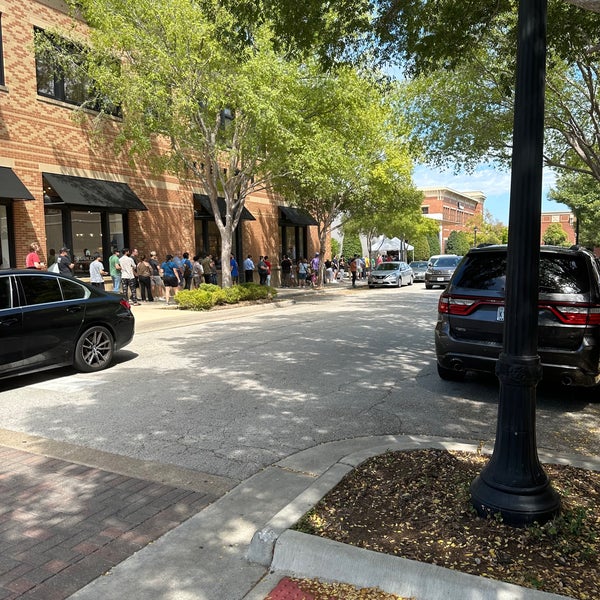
(295, 216)
(208, 211)
(12, 187)
(95, 193)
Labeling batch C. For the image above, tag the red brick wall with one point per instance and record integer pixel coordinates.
(39, 135)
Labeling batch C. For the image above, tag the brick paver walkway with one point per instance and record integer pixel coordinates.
(63, 525)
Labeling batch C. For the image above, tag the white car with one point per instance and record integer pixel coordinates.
(391, 274)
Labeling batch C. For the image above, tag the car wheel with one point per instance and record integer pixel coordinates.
(371, 287)
(450, 374)
(94, 350)
(410, 281)
(399, 282)
(428, 286)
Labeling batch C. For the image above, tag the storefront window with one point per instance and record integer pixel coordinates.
(4, 245)
(116, 232)
(85, 233)
(54, 233)
(87, 239)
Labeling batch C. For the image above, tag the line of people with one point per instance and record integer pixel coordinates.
(131, 271)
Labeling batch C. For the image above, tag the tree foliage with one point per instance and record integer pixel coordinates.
(210, 108)
(581, 193)
(458, 242)
(555, 235)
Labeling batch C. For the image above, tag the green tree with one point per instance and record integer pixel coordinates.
(195, 100)
(421, 248)
(434, 245)
(581, 193)
(555, 235)
(352, 245)
(347, 160)
(458, 242)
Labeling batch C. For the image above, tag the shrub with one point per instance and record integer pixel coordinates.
(209, 295)
(194, 299)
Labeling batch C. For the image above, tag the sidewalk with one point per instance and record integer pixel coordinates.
(241, 547)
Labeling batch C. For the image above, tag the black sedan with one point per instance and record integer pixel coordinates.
(47, 321)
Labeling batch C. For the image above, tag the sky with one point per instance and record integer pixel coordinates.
(494, 184)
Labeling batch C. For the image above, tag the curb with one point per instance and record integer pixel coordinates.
(288, 552)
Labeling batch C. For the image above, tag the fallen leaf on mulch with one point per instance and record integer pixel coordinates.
(416, 504)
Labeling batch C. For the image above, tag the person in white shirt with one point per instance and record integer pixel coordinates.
(97, 272)
(128, 280)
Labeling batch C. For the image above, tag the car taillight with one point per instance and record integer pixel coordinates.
(575, 314)
(457, 306)
(125, 304)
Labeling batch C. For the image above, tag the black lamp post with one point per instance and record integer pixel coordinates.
(514, 483)
(475, 230)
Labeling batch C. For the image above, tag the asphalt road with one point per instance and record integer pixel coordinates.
(243, 389)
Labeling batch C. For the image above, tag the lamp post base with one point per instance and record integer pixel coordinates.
(517, 506)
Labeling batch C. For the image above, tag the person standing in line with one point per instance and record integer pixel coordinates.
(32, 260)
(157, 282)
(302, 272)
(286, 271)
(206, 267)
(170, 275)
(144, 273)
(197, 272)
(268, 263)
(249, 269)
(262, 270)
(214, 279)
(128, 280)
(354, 267)
(65, 264)
(342, 268)
(235, 271)
(97, 272)
(114, 268)
(187, 267)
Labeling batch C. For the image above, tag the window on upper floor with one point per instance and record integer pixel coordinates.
(61, 74)
(1, 55)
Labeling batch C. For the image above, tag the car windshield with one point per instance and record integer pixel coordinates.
(387, 267)
(558, 274)
(418, 265)
(446, 261)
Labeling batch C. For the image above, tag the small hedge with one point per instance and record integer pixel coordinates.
(209, 295)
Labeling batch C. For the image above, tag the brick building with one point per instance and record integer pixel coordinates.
(60, 186)
(566, 220)
(451, 209)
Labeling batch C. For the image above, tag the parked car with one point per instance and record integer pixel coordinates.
(419, 267)
(47, 321)
(392, 273)
(440, 269)
(469, 330)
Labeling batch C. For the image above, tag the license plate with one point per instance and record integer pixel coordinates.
(500, 314)
(440, 279)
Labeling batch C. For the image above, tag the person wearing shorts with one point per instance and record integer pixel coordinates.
(170, 276)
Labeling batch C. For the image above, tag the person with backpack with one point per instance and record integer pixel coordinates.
(187, 268)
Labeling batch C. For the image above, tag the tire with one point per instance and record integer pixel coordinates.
(450, 374)
(428, 286)
(399, 282)
(94, 350)
(410, 282)
(371, 287)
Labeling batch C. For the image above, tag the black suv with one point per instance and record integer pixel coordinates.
(469, 331)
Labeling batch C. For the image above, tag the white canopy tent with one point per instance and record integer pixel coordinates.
(384, 244)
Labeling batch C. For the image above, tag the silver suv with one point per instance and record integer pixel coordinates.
(469, 330)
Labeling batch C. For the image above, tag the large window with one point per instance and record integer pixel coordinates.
(4, 237)
(1, 55)
(61, 74)
(85, 233)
